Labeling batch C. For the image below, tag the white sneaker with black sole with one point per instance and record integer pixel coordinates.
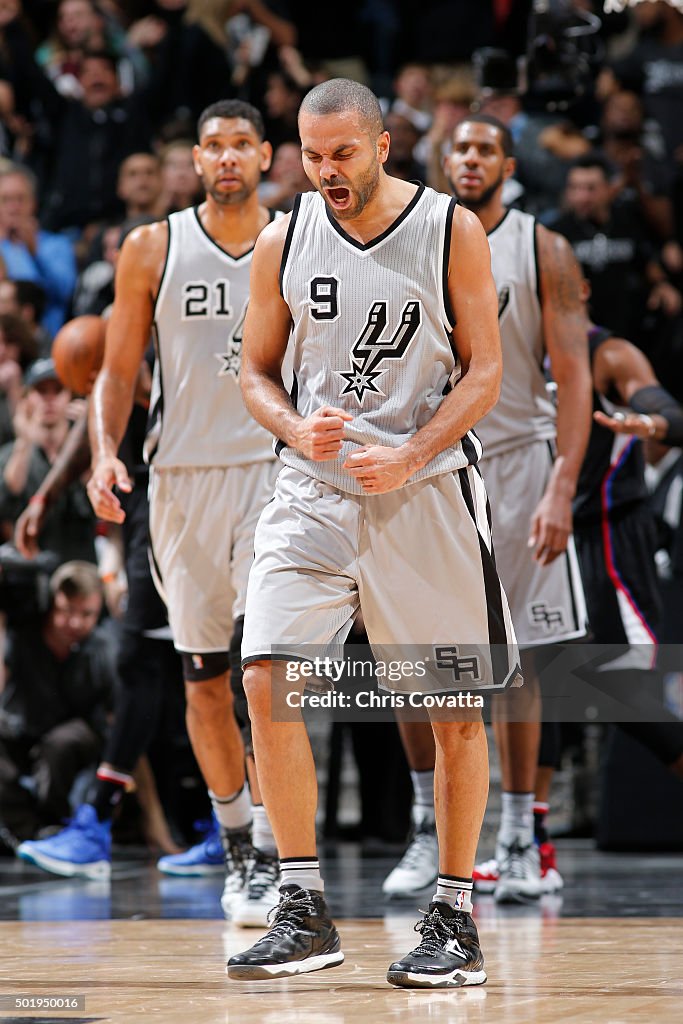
(260, 894)
(419, 865)
(519, 878)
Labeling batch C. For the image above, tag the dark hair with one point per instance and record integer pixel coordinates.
(230, 109)
(105, 55)
(340, 95)
(502, 129)
(16, 332)
(590, 160)
(29, 293)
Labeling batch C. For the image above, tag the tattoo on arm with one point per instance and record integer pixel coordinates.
(561, 288)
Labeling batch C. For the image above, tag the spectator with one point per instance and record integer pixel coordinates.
(95, 285)
(53, 709)
(41, 426)
(404, 138)
(26, 300)
(610, 243)
(285, 179)
(180, 182)
(140, 186)
(29, 252)
(79, 26)
(636, 149)
(281, 102)
(654, 69)
(97, 132)
(16, 350)
(414, 100)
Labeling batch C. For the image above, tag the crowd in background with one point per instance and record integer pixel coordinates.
(98, 102)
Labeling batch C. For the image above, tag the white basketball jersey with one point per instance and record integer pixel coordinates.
(524, 411)
(197, 416)
(372, 329)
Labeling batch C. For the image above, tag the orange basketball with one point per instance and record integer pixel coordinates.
(78, 351)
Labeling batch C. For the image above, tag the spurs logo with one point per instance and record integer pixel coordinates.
(371, 349)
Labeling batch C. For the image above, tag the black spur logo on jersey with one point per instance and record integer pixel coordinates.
(371, 348)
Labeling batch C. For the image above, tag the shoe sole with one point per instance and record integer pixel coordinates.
(98, 870)
(405, 893)
(457, 979)
(180, 872)
(505, 894)
(264, 972)
(485, 886)
(250, 920)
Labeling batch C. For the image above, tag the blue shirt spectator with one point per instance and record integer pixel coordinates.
(31, 254)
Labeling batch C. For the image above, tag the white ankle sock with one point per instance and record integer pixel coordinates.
(262, 834)
(517, 819)
(234, 811)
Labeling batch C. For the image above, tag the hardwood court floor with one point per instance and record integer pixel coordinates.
(546, 970)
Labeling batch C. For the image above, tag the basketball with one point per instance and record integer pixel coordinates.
(78, 350)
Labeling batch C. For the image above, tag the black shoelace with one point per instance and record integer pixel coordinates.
(264, 873)
(290, 913)
(435, 931)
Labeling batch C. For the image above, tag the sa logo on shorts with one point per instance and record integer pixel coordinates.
(549, 618)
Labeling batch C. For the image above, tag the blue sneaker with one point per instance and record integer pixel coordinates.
(82, 848)
(206, 858)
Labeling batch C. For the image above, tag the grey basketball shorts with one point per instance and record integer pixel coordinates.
(415, 561)
(547, 602)
(202, 523)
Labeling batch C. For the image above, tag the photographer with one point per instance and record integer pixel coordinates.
(59, 678)
(41, 426)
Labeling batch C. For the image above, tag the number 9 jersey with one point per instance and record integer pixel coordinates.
(197, 415)
(372, 329)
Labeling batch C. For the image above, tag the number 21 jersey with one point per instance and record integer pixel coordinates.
(197, 415)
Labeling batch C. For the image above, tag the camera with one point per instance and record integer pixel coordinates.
(25, 584)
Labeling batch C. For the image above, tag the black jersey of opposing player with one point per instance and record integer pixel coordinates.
(612, 477)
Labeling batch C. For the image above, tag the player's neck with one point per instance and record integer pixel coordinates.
(387, 204)
(491, 214)
(234, 227)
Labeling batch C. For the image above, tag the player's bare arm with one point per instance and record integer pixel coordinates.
(477, 342)
(620, 365)
(264, 342)
(137, 281)
(565, 333)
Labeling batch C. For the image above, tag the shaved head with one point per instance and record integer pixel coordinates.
(341, 96)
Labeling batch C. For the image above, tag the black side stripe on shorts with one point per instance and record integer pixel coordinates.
(567, 563)
(492, 590)
(294, 395)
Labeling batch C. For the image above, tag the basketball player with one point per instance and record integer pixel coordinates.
(376, 446)
(212, 467)
(532, 457)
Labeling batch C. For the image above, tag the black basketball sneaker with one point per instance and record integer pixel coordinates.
(448, 955)
(301, 939)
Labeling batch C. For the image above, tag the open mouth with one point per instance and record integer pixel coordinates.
(339, 196)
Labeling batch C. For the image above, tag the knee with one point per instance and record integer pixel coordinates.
(257, 689)
(449, 736)
(209, 697)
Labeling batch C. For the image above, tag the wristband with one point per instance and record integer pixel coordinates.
(37, 499)
(108, 577)
(656, 399)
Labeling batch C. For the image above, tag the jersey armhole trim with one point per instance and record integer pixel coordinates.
(288, 241)
(447, 305)
(163, 269)
(536, 265)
